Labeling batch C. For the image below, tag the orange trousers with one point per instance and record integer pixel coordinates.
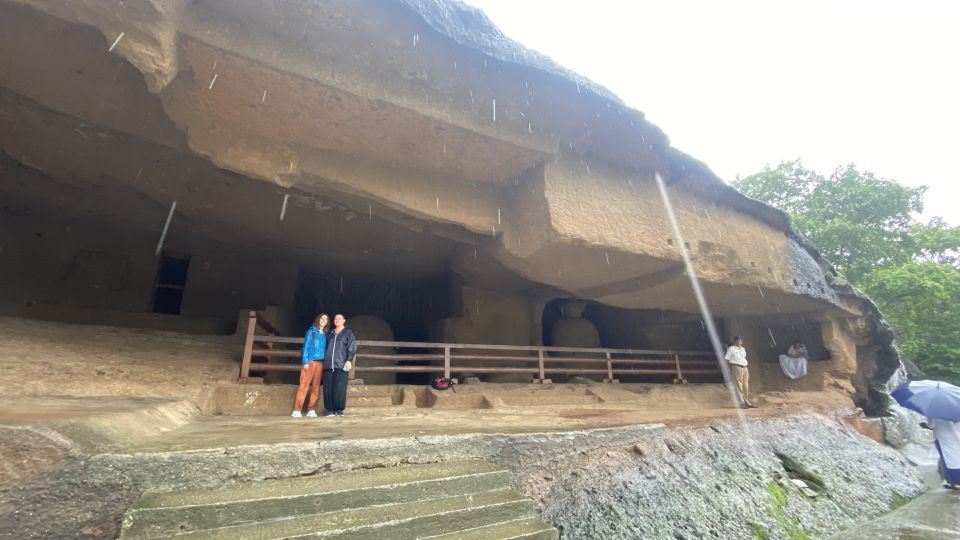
(309, 380)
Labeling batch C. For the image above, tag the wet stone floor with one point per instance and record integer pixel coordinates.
(934, 515)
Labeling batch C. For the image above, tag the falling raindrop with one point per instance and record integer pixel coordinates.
(760, 290)
(283, 208)
(769, 331)
(530, 128)
(264, 97)
(370, 211)
(474, 253)
(454, 65)
(213, 80)
(588, 169)
(438, 203)
(444, 148)
(139, 172)
(608, 258)
(478, 307)
(494, 108)
(471, 96)
(494, 228)
(578, 88)
(166, 226)
(116, 41)
(706, 213)
(416, 38)
(498, 217)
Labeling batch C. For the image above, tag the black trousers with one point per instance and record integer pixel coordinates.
(335, 389)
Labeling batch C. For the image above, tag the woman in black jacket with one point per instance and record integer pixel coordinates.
(337, 363)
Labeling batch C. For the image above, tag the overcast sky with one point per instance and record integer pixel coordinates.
(742, 83)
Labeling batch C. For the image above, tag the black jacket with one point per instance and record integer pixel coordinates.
(340, 348)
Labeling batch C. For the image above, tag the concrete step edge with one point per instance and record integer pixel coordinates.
(322, 483)
(307, 526)
(153, 522)
(515, 530)
(449, 522)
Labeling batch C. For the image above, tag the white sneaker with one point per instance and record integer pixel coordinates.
(296, 414)
(311, 413)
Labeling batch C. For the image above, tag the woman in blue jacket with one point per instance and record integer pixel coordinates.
(311, 370)
(337, 363)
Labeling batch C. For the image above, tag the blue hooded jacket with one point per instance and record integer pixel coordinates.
(314, 345)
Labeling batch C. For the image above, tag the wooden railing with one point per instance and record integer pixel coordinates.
(459, 358)
(251, 353)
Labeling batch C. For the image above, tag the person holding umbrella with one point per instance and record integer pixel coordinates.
(946, 436)
(940, 403)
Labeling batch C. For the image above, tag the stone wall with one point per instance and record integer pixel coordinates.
(79, 270)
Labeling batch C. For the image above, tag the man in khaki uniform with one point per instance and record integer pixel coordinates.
(737, 359)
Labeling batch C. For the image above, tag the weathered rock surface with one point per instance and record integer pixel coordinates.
(727, 482)
(631, 482)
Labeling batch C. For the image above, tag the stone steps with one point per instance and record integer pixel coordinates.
(449, 500)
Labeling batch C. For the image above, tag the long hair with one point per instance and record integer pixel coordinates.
(316, 322)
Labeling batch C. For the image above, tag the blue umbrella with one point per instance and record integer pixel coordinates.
(934, 399)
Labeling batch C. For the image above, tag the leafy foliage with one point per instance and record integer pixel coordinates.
(864, 225)
(920, 300)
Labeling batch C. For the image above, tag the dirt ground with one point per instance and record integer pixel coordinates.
(56, 359)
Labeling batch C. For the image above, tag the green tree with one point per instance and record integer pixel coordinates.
(920, 300)
(865, 226)
(858, 221)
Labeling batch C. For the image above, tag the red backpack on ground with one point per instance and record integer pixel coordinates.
(441, 384)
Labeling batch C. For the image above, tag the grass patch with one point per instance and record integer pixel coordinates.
(759, 532)
(777, 501)
(796, 470)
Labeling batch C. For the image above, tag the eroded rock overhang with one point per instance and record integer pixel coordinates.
(424, 111)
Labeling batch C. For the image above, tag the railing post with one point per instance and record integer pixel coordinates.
(679, 379)
(610, 378)
(446, 362)
(543, 376)
(248, 347)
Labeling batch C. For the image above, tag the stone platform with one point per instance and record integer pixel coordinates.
(556, 455)
(277, 399)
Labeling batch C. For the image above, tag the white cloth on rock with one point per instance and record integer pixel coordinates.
(794, 363)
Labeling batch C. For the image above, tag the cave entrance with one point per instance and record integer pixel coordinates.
(581, 323)
(379, 306)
